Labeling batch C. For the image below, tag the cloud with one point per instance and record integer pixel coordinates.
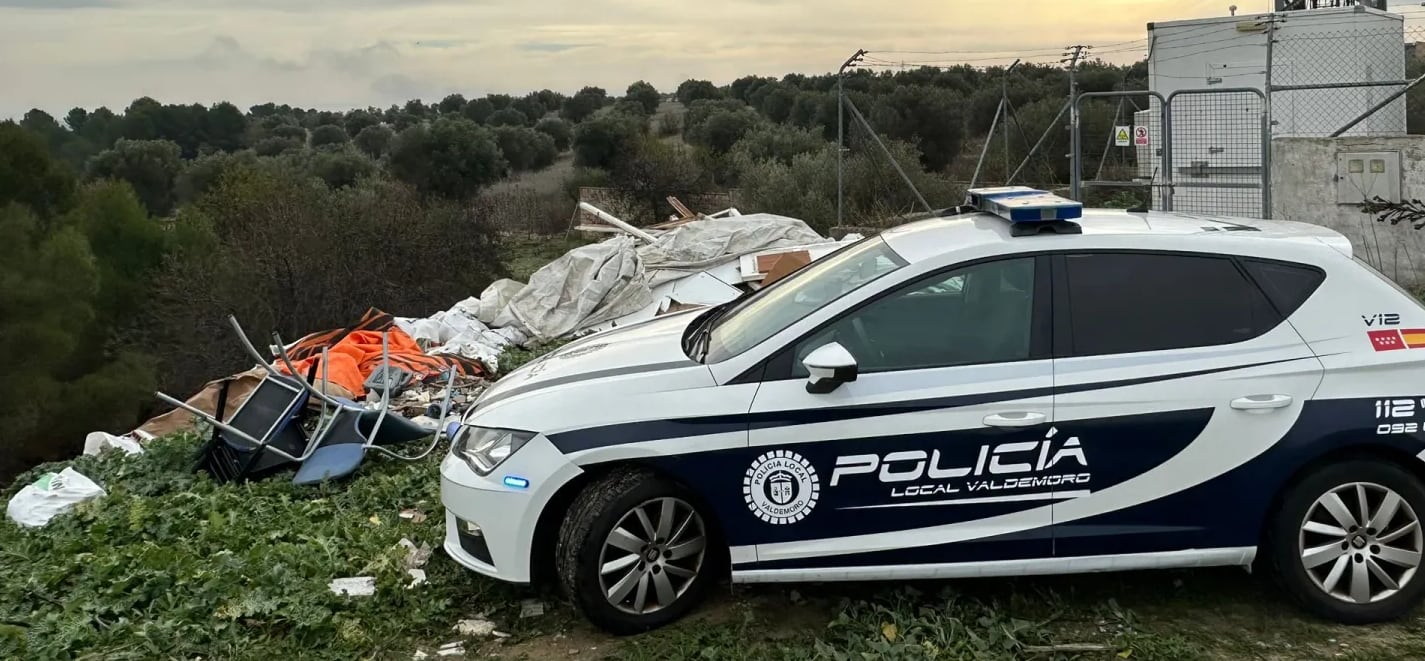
(546, 47)
(329, 53)
(55, 4)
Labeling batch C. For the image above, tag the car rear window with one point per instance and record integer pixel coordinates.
(1287, 285)
(1131, 302)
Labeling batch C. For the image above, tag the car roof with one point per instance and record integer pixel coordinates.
(928, 239)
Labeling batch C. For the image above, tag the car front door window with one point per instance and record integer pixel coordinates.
(972, 315)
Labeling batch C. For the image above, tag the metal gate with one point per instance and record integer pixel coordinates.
(1207, 151)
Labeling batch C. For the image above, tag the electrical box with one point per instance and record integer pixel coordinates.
(1362, 176)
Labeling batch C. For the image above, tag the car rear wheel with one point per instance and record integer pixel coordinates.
(1347, 543)
(634, 553)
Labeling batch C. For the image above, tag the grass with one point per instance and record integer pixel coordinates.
(526, 254)
(172, 565)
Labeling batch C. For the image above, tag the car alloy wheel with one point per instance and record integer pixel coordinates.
(1361, 542)
(652, 555)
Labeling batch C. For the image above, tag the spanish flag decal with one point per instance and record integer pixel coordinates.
(1414, 337)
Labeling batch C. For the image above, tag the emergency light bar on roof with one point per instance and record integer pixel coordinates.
(1030, 211)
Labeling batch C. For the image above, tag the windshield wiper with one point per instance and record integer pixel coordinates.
(702, 337)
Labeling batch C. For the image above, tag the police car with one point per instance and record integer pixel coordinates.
(1022, 387)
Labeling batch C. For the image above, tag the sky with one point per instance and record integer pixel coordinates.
(340, 54)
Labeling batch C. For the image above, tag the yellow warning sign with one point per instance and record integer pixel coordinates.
(1122, 137)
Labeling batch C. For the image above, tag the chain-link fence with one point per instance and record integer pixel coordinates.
(1329, 82)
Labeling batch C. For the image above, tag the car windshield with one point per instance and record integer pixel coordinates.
(773, 309)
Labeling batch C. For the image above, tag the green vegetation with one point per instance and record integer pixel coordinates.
(171, 565)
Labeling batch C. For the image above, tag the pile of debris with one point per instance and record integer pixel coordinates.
(417, 376)
(690, 261)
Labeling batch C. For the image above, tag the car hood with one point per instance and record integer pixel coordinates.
(619, 355)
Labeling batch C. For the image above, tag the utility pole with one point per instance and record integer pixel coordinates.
(1072, 56)
(840, 124)
(1004, 100)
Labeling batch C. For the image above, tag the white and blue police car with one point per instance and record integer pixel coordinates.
(1021, 387)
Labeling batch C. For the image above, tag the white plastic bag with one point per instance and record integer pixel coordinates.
(97, 442)
(52, 494)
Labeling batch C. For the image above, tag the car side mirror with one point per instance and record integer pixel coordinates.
(829, 366)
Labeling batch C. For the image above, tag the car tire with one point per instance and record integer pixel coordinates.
(627, 565)
(1378, 548)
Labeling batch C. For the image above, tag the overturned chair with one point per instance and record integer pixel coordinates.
(268, 431)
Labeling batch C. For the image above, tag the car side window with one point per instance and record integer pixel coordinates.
(977, 314)
(1131, 302)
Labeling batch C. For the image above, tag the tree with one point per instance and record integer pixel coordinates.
(340, 168)
(276, 247)
(128, 247)
(603, 140)
(776, 143)
(478, 111)
(584, 103)
(696, 90)
(645, 95)
(500, 101)
(551, 100)
(525, 148)
(774, 100)
(416, 107)
(150, 166)
(931, 117)
(722, 129)
(275, 146)
(203, 173)
(289, 132)
(530, 106)
(329, 134)
(652, 169)
(375, 140)
(743, 87)
(507, 117)
(28, 176)
(557, 129)
(224, 127)
(359, 120)
(452, 104)
(75, 119)
(449, 157)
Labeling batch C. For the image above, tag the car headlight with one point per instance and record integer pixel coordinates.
(484, 448)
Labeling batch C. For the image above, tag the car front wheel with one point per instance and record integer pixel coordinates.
(634, 553)
(1347, 542)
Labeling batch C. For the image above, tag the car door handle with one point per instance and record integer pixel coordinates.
(1020, 419)
(1261, 403)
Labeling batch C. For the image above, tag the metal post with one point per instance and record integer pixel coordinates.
(840, 124)
(1267, 119)
(1076, 161)
(989, 137)
(1004, 103)
(1377, 107)
(867, 125)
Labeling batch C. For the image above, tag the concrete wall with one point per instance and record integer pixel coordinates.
(1304, 188)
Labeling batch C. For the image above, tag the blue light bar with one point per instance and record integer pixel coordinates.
(1019, 204)
(516, 482)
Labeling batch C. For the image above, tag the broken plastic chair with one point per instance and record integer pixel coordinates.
(341, 440)
(265, 433)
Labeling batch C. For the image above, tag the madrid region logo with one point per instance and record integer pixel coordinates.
(781, 487)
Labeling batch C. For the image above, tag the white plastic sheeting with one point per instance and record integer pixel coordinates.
(702, 245)
(609, 284)
(587, 286)
(457, 331)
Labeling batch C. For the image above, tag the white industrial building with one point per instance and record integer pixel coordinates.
(1217, 155)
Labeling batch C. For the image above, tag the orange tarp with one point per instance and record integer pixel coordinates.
(355, 352)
